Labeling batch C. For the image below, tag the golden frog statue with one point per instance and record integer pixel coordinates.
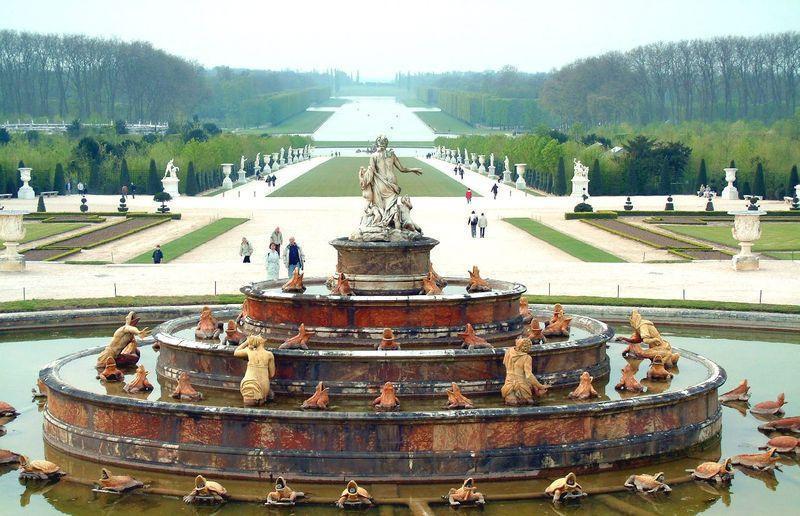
(122, 347)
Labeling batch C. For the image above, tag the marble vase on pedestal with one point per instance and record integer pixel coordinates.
(521, 175)
(746, 230)
(227, 168)
(12, 231)
(730, 192)
(25, 191)
(473, 164)
(482, 167)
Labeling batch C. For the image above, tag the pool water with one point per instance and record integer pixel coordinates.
(769, 363)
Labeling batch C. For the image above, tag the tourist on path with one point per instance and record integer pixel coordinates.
(133, 190)
(293, 257)
(158, 255)
(482, 223)
(273, 262)
(276, 238)
(473, 223)
(68, 187)
(80, 188)
(245, 250)
(495, 190)
(469, 196)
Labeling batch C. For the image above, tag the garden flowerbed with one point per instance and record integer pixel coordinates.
(100, 236)
(642, 235)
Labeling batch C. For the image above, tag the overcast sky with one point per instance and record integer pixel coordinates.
(380, 37)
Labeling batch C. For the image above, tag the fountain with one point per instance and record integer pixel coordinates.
(423, 410)
(12, 231)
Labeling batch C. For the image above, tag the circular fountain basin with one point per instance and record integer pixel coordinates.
(418, 321)
(101, 423)
(360, 372)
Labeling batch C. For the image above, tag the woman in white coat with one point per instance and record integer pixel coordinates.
(273, 262)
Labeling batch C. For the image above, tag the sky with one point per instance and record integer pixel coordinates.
(379, 38)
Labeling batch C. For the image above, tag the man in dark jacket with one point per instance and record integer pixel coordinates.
(473, 223)
(158, 255)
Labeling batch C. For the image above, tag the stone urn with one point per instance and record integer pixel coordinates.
(746, 230)
(12, 231)
(227, 169)
(521, 175)
(25, 191)
(482, 167)
(730, 192)
(473, 164)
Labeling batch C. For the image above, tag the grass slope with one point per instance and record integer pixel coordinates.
(441, 122)
(338, 177)
(190, 241)
(303, 123)
(566, 243)
(775, 236)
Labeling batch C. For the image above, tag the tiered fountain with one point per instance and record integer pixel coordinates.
(387, 266)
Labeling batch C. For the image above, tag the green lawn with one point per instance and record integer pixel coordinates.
(566, 243)
(190, 241)
(332, 102)
(37, 230)
(414, 102)
(775, 236)
(338, 177)
(441, 122)
(303, 123)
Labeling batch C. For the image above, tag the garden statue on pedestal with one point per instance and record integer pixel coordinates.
(387, 214)
(170, 180)
(507, 172)
(241, 171)
(580, 180)
(492, 174)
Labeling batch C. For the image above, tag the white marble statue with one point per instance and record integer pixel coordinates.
(491, 159)
(257, 163)
(172, 170)
(580, 170)
(506, 164)
(241, 163)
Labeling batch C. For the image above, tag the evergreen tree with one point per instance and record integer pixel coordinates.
(16, 176)
(3, 184)
(702, 176)
(94, 178)
(561, 178)
(746, 188)
(59, 180)
(596, 179)
(153, 181)
(40, 208)
(794, 180)
(664, 184)
(124, 174)
(192, 187)
(759, 186)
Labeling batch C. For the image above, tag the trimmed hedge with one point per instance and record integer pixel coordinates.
(591, 215)
(130, 214)
(699, 213)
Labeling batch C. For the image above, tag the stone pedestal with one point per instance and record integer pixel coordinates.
(521, 175)
(12, 231)
(25, 191)
(580, 185)
(746, 229)
(507, 178)
(730, 192)
(241, 179)
(385, 268)
(227, 168)
(492, 175)
(170, 186)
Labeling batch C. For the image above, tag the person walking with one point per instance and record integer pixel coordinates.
(273, 263)
(495, 189)
(245, 250)
(473, 223)
(293, 257)
(80, 188)
(469, 196)
(68, 187)
(133, 190)
(158, 255)
(276, 238)
(482, 223)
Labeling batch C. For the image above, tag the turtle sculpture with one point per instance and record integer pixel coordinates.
(110, 373)
(7, 410)
(471, 340)
(206, 492)
(464, 495)
(184, 390)
(9, 457)
(649, 484)
(429, 286)
(740, 393)
(456, 400)
(354, 497)
(109, 483)
(140, 383)
(786, 424)
(564, 489)
(388, 398)
(719, 472)
(38, 469)
(476, 283)
(758, 461)
(770, 408)
(283, 495)
(299, 341)
(584, 390)
(783, 444)
(319, 400)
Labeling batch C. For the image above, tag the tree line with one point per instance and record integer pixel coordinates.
(725, 78)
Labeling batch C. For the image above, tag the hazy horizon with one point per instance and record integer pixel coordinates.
(419, 37)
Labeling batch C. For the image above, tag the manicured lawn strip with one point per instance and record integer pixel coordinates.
(413, 102)
(190, 241)
(304, 123)
(98, 236)
(784, 255)
(39, 305)
(566, 243)
(441, 122)
(338, 177)
(641, 235)
(38, 230)
(775, 236)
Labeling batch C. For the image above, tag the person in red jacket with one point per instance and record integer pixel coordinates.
(469, 196)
